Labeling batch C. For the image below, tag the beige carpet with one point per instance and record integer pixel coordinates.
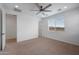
(40, 46)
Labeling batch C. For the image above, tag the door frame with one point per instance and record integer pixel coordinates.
(16, 24)
(1, 29)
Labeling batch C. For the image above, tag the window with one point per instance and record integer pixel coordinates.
(56, 24)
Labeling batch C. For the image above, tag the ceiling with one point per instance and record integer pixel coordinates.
(55, 8)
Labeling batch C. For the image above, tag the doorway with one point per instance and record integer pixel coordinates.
(11, 29)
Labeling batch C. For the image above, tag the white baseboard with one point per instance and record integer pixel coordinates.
(66, 41)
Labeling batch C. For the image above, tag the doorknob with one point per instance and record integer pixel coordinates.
(2, 33)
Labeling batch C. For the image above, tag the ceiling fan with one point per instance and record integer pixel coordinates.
(42, 8)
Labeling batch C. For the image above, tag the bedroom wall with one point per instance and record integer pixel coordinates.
(71, 33)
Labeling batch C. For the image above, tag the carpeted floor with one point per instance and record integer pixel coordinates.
(40, 46)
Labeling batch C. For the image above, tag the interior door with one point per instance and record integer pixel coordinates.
(0, 30)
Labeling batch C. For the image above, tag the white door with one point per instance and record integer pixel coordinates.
(3, 29)
(0, 30)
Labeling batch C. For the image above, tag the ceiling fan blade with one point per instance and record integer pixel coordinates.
(47, 6)
(34, 10)
(38, 5)
(47, 10)
(38, 13)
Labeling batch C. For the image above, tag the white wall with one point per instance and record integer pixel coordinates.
(27, 27)
(11, 26)
(71, 33)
